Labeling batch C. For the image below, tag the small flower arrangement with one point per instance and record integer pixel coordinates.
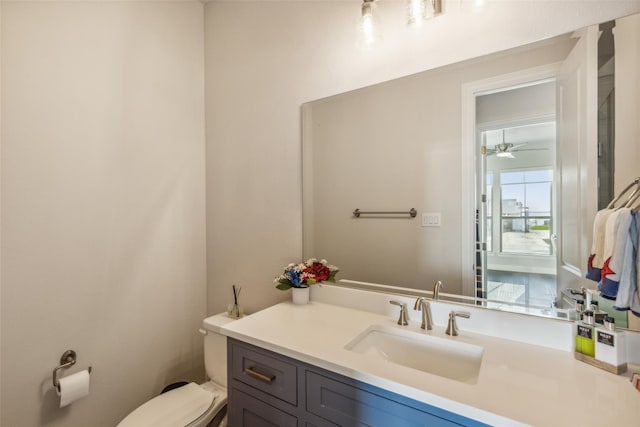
(306, 273)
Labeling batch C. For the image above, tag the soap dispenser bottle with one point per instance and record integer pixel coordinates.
(610, 345)
(585, 339)
(579, 309)
(598, 316)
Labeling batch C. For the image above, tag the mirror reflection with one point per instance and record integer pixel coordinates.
(502, 153)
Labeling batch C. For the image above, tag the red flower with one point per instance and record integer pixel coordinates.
(320, 271)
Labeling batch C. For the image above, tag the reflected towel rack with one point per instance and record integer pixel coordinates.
(635, 182)
(412, 213)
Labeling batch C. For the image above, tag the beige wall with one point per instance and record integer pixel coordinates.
(103, 226)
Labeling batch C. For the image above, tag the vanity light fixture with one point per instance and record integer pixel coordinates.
(419, 11)
(369, 33)
(369, 28)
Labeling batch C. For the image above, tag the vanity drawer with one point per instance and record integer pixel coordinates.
(264, 371)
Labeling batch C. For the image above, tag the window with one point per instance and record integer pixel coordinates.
(489, 207)
(525, 207)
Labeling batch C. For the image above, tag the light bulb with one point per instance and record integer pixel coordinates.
(369, 26)
(476, 6)
(416, 12)
(478, 3)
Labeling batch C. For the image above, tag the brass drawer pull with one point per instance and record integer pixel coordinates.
(258, 375)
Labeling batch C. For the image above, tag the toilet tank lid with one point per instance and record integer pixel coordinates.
(177, 407)
(214, 323)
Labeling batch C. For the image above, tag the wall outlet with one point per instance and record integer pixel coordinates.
(431, 219)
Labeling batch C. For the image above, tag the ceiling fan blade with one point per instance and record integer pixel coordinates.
(531, 149)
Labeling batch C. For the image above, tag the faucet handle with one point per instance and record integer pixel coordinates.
(452, 327)
(403, 319)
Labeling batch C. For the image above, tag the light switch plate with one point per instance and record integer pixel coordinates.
(431, 219)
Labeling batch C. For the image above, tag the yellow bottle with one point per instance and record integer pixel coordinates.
(585, 340)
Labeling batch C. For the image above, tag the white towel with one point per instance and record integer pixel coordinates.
(597, 246)
(596, 257)
(615, 249)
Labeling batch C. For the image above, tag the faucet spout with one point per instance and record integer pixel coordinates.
(436, 289)
(423, 305)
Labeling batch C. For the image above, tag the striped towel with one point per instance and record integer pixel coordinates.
(616, 248)
(628, 297)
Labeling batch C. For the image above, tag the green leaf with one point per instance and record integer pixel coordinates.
(283, 286)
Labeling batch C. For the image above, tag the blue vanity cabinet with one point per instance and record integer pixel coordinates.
(269, 389)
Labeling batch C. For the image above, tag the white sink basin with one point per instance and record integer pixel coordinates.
(439, 356)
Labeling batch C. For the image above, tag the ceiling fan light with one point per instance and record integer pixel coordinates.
(505, 154)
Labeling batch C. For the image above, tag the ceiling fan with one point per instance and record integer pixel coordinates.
(506, 149)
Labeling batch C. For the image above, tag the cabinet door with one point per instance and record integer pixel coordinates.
(347, 405)
(247, 411)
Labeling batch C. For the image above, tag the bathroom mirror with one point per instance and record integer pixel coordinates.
(428, 142)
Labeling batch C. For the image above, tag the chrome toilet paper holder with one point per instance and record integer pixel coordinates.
(67, 360)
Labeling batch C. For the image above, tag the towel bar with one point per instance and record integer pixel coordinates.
(412, 213)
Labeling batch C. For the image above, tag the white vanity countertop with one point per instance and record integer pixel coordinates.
(518, 383)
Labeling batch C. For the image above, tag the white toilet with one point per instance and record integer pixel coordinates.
(192, 405)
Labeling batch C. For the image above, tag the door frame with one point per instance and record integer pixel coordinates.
(469, 152)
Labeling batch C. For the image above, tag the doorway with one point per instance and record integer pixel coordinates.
(515, 182)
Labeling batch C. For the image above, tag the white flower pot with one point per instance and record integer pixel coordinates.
(300, 295)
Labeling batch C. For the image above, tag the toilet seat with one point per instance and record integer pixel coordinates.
(189, 405)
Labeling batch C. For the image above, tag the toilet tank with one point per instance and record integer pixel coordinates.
(215, 348)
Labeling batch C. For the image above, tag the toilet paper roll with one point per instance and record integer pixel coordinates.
(73, 387)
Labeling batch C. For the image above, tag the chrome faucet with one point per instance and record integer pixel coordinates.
(423, 305)
(436, 289)
(452, 327)
(403, 319)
